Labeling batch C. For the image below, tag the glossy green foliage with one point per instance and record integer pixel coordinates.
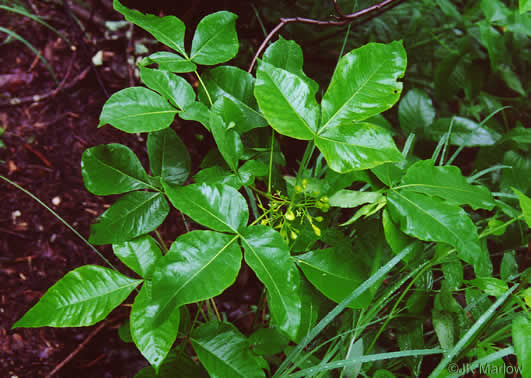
(288, 56)
(227, 138)
(112, 169)
(83, 297)
(152, 338)
(446, 183)
(167, 61)
(349, 147)
(168, 30)
(170, 86)
(335, 272)
(415, 111)
(521, 333)
(218, 207)
(215, 40)
(132, 215)
(225, 352)
(140, 255)
(464, 132)
(287, 101)
(267, 341)
(431, 219)
(168, 157)
(236, 87)
(365, 83)
(136, 110)
(198, 266)
(353, 244)
(268, 256)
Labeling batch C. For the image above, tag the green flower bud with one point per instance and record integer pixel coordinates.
(289, 215)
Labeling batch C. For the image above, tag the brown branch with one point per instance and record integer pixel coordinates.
(77, 350)
(41, 97)
(340, 14)
(341, 19)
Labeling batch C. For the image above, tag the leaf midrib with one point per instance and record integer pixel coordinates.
(134, 209)
(257, 256)
(312, 132)
(214, 36)
(431, 216)
(58, 306)
(327, 124)
(127, 175)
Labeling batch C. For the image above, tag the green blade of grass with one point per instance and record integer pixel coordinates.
(340, 307)
(471, 333)
(370, 358)
(60, 219)
(30, 46)
(36, 19)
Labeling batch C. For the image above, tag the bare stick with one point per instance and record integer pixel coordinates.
(77, 350)
(341, 19)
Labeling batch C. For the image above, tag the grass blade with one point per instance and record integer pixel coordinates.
(340, 307)
(471, 333)
(32, 48)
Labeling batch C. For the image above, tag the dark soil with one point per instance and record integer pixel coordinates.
(44, 142)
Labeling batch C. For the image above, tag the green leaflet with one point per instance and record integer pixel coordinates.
(287, 102)
(198, 112)
(168, 156)
(140, 255)
(169, 29)
(521, 332)
(83, 297)
(446, 183)
(268, 256)
(335, 272)
(134, 214)
(137, 110)
(227, 139)
(268, 341)
(168, 61)
(236, 86)
(357, 146)
(217, 175)
(198, 266)
(431, 219)
(215, 39)
(112, 169)
(170, 86)
(524, 6)
(525, 205)
(219, 207)
(349, 198)
(444, 326)
(365, 83)
(490, 285)
(153, 339)
(415, 111)
(225, 352)
(288, 56)
(465, 132)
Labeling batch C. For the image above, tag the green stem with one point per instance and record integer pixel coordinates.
(271, 160)
(161, 241)
(204, 87)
